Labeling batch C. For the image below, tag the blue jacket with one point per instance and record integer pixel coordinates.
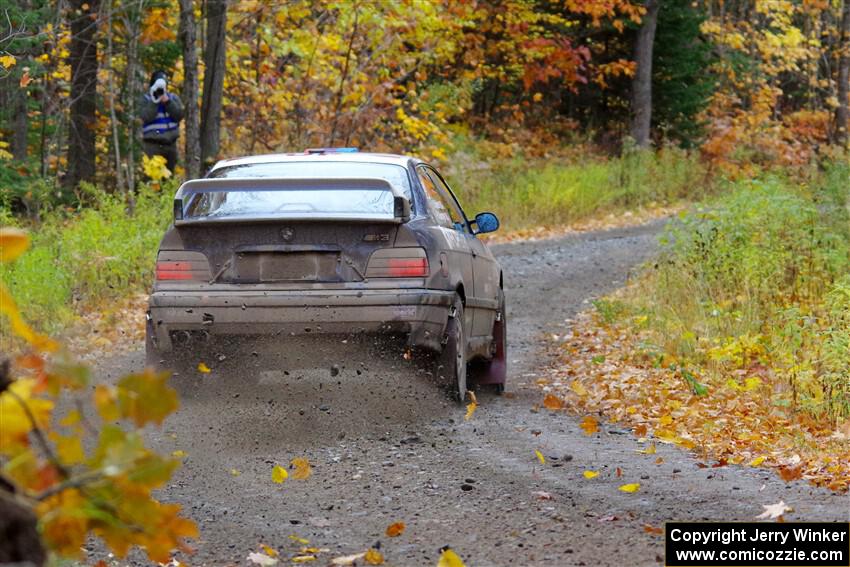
(161, 122)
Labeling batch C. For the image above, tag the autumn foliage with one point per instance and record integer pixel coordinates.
(66, 453)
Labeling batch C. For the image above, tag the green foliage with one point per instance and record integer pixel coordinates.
(96, 254)
(757, 278)
(533, 192)
(682, 80)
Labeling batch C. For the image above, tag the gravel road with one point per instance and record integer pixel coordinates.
(387, 446)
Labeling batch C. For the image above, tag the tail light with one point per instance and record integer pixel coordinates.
(398, 263)
(182, 266)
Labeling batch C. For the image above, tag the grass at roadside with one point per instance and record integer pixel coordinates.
(556, 192)
(91, 257)
(734, 343)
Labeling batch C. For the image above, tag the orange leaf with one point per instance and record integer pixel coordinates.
(302, 468)
(653, 530)
(589, 425)
(553, 402)
(396, 529)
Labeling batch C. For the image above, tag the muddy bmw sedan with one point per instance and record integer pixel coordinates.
(331, 242)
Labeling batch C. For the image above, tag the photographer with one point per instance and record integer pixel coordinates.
(161, 113)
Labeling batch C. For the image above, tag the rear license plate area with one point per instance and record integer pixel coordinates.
(288, 266)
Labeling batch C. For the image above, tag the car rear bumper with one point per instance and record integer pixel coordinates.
(419, 313)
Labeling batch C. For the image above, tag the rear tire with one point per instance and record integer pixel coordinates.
(493, 372)
(451, 364)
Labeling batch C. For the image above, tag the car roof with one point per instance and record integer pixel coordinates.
(354, 157)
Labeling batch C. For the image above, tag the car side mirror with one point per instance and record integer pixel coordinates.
(401, 208)
(178, 209)
(486, 222)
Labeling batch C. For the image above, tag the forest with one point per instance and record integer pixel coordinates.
(728, 119)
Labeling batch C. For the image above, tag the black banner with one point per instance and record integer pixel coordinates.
(757, 544)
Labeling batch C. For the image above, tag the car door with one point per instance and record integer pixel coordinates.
(448, 228)
(485, 271)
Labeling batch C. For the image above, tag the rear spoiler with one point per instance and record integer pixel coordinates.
(401, 204)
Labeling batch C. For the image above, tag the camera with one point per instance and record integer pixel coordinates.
(158, 93)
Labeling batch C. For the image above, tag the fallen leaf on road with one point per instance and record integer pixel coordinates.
(373, 557)
(271, 552)
(540, 457)
(653, 530)
(178, 453)
(261, 559)
(633, 487)
(756, 462)
(649, 450)
(640, 430)
(590, 474)
(774, 511)
(303, 558)
(449, 558)
(542, 495)
(659, 460)
(300, 540)
(347, 559)
(553, 402)
(590, 425)
(395, 529)
(279, 474)
(578, 388)
(302, 468)
(203, 368)
(470, 407)
(618, 472)
(235, 472)
(791, 473)
(611, 518)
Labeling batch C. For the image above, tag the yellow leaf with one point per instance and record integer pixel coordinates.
(178, 454)
(751, 383)
(19, 326)
(649, 450)
(633, 487)
(279, 474)
(297, 539)
(449, 558)
(756, 462)
(155, 168)
(203, 368)
(13, 243)
(302, 468)
(395, 529)
(589, 425)
(373, 557)
(303, 558)
(70, 450)
(271, 552)
(470, 408)
(8, 61)
(666, 419)
(235, 472)
(537, 97)
(540, 457)
(590, 474)
(577, 387)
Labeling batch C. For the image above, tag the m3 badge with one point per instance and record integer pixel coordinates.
(287, 233)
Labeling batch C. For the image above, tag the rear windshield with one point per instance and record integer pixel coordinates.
(305, 203)
(396, 175)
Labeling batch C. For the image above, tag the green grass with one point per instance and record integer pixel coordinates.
(758, 278)
(526, 193)
(97, 254)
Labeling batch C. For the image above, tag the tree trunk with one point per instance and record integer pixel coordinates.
(83, 62)
(642, 82)
(21, 124)
(842, 113)
(188, 39)
(18, 524)
(214, 61)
